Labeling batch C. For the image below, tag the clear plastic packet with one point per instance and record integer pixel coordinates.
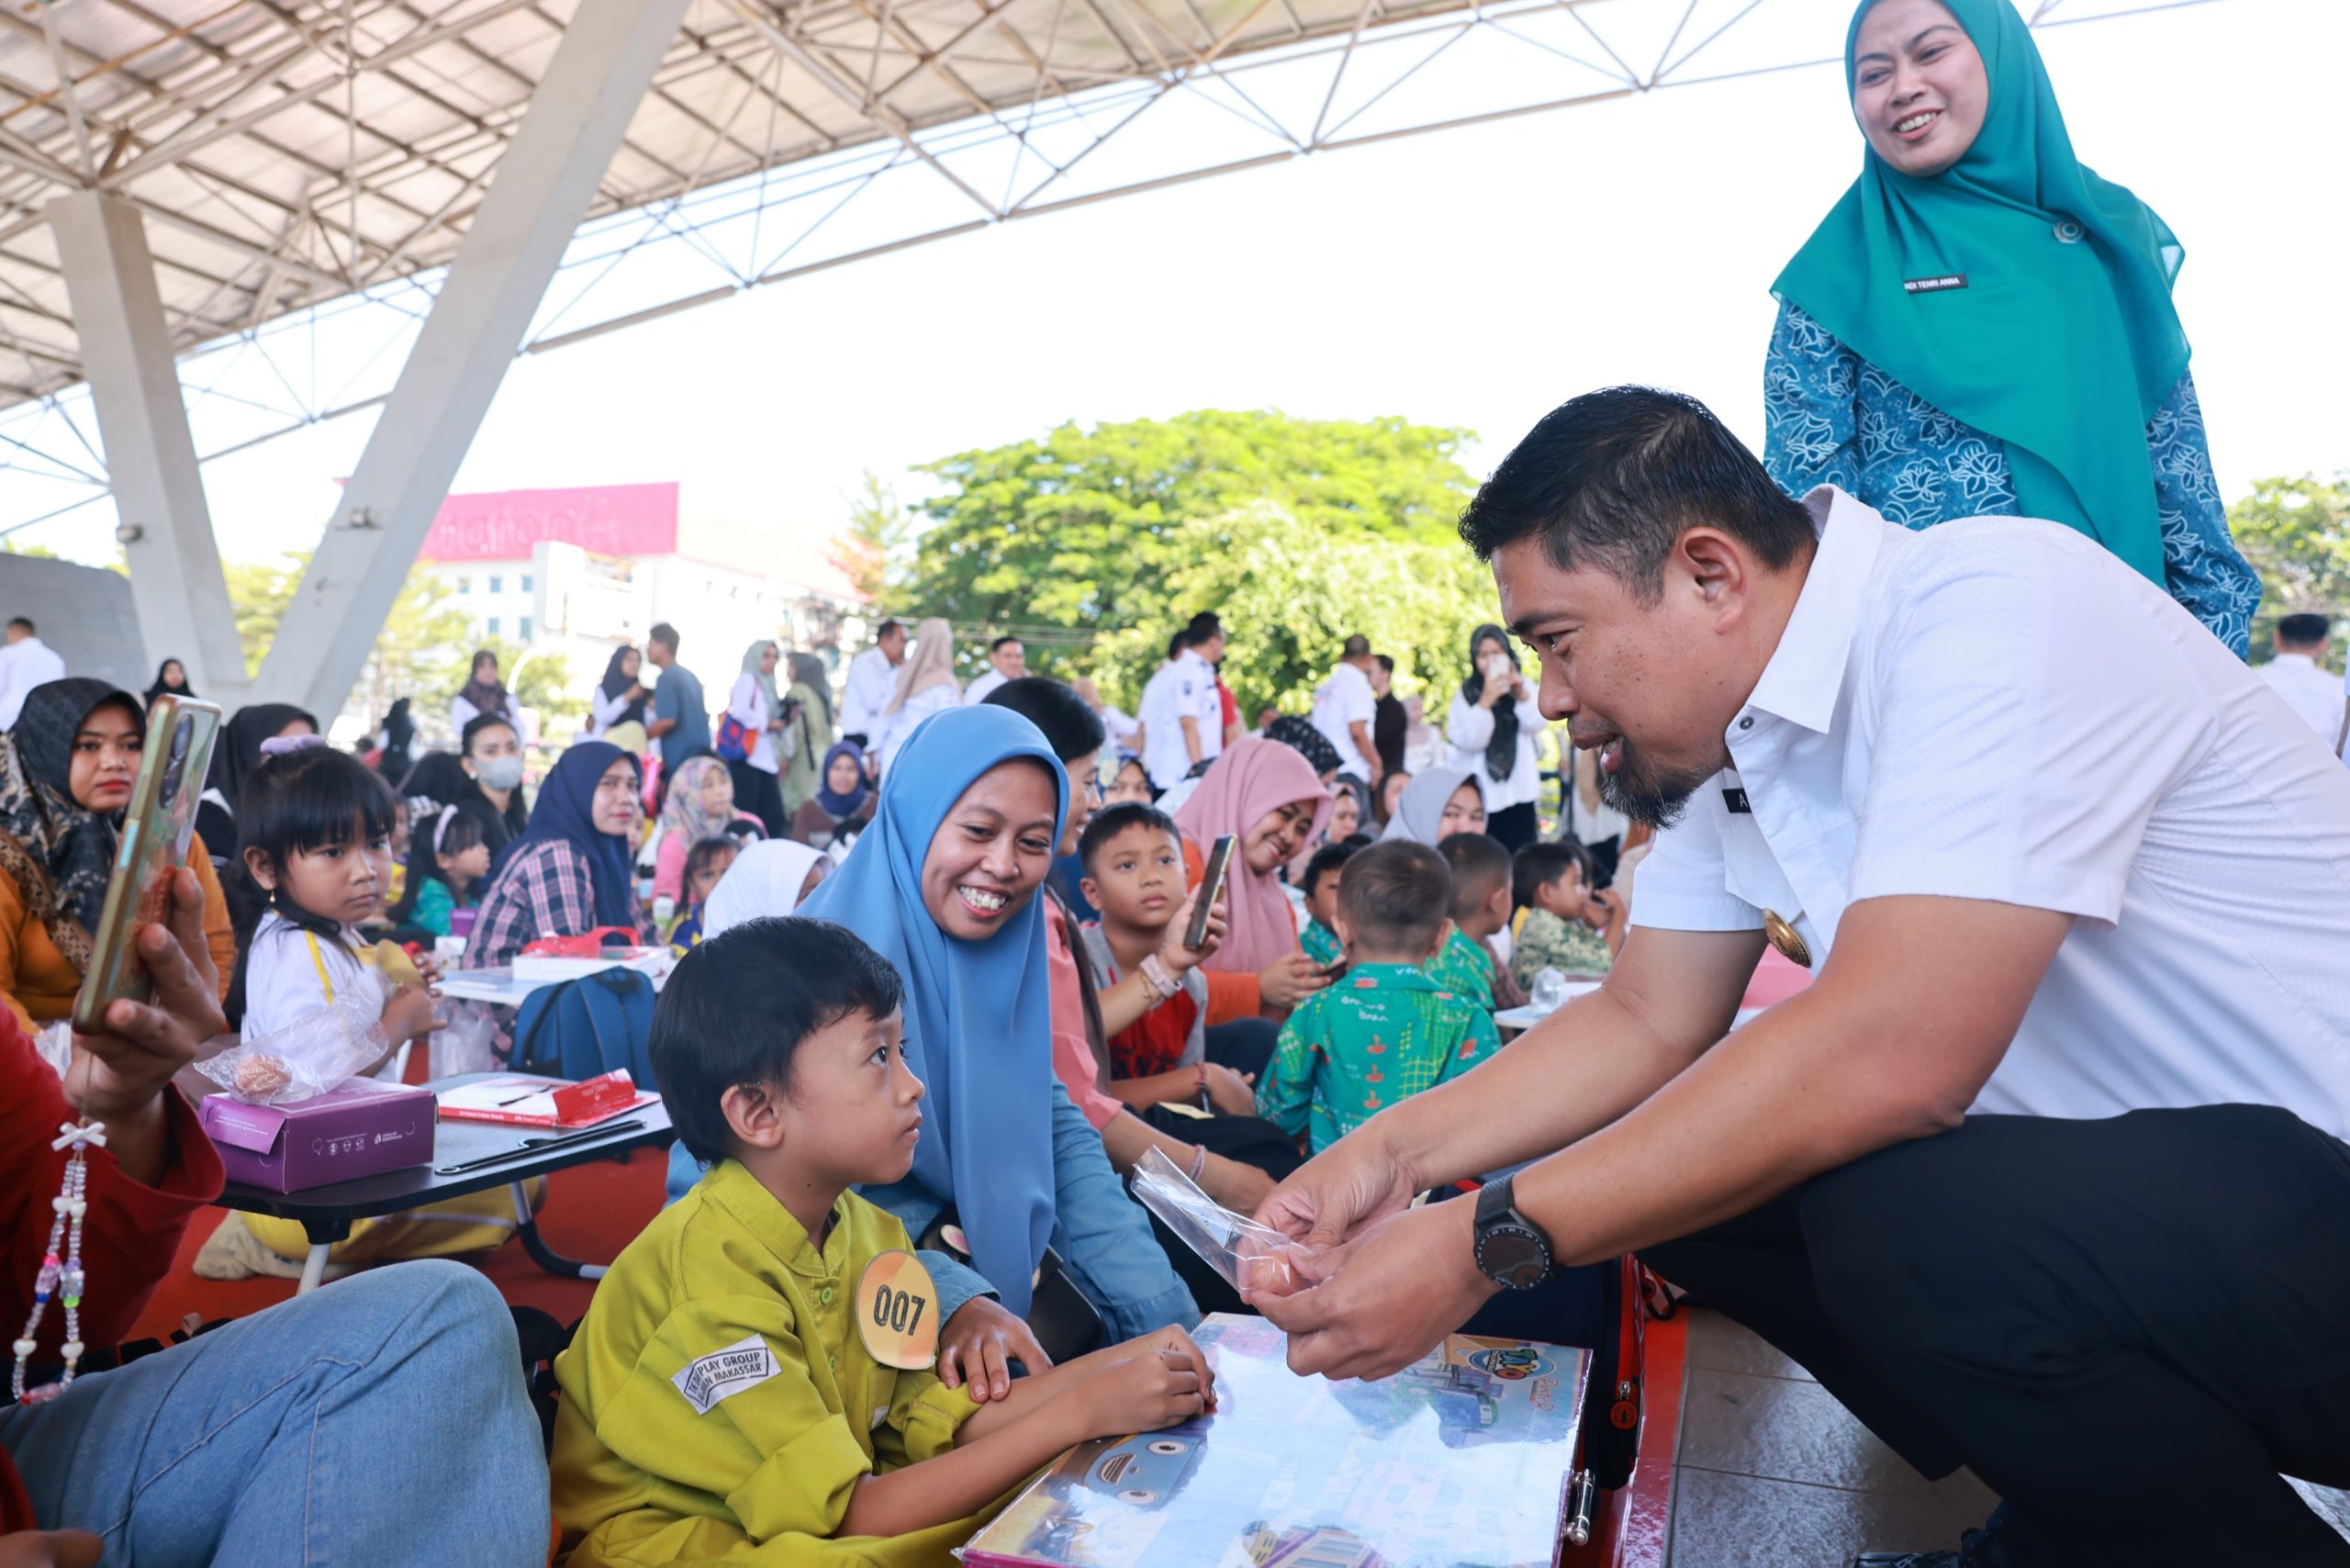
(55, 1045)
(1248, 1256)
(469, 1041)
(323, 1050)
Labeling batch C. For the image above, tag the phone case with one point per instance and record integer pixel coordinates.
(1216, 872)
(156, 830)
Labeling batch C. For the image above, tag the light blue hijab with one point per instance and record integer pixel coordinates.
(978, 1015)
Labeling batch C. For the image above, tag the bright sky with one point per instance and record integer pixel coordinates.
(1472, 277)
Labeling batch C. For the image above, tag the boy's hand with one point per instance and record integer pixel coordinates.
(1145, 1385)
(1290, 979)
(1233, 1093)
(1178, 960)
(979, 1345)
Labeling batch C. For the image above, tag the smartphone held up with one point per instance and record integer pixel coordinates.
(157, 827)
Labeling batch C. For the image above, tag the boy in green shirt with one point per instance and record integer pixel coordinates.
(1481, 908)
(1567, 927)
(1320, 937)
(1388, 1029)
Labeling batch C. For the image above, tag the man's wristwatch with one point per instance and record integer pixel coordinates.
(1512, 1252)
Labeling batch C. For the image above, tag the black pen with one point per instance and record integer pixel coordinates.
(532, 1147)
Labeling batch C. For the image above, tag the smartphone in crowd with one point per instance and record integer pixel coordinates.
(156, 829)
(1219, 869)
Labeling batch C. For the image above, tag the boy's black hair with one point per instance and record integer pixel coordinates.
(312, 799)
(705, 850)
(1543, 862)
(479, 723)
(736, 1008)
(1612, 478)
(1112, 820)
(1072, 729)
(1326, 859)
(2303, 629)
(1479, 864)
(464, 830)
(26, 621)
(1359, 840)
(998, 645)
(1396, 895)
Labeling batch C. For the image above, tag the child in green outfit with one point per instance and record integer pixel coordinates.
(1567, 927)
(448, 864)
(1320, 938)
(1480, 909)
(1388, 1029)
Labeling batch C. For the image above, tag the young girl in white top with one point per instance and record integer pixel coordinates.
(315, 834)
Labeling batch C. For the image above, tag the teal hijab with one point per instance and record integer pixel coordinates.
(2064, 350)
(978, 1019)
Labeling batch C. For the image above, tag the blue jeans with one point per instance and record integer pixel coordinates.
(381, 1419)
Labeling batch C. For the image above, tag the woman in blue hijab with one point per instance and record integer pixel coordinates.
(569, 871)
(1982, 326)
(945, 886)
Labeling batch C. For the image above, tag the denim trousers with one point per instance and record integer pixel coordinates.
(380, 1419)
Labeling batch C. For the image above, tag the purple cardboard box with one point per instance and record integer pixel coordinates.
(360, 1128)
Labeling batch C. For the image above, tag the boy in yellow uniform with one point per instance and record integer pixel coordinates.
(724, 1398)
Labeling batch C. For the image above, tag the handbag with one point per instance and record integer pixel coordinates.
(734, 743)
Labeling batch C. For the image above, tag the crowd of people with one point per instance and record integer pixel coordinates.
(1947, 683)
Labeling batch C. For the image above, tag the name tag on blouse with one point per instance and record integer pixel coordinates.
(1934, 285)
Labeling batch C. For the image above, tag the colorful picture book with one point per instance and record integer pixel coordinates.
(1461, 1461)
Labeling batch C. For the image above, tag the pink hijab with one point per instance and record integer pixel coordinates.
(1252, 778)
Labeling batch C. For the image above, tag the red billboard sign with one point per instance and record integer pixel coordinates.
(609, 520)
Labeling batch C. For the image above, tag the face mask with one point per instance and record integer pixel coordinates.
(500, 772)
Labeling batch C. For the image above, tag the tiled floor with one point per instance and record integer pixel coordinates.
(1774, 1473)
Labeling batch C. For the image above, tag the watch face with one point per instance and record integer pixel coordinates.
(1514, 1257)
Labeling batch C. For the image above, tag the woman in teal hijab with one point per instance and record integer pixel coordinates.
(945, 884)
(1983, 326)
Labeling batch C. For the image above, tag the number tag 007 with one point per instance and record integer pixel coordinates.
(897, 1313)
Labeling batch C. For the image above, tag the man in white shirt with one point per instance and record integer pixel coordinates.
(1181, 716)
(872, 681)
(1007, 660)
(1345, 707)
(2308, 687)
(25, 662)
(2044, 1175)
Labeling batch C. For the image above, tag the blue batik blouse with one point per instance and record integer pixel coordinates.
(1833, 419)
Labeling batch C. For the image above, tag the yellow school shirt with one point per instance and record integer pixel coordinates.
(718, 1403)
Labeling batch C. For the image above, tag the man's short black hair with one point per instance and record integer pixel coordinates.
(1611, 479)
(1326, 862)
(1177, 642)
(1205, 624)
(25, 622)
(1112, 820)
(663, 633)
(1358, 646)
(1002, 642)
(1479, 864)
(1386, 662)
(1072, 729)
(1396, 895)
(886, 628)
(736, 1008)
(1543, 862)
(2303, 629)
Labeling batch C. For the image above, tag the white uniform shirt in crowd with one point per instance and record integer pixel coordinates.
(1997, 709)
(892, 730)
(2309, 690)
(1343, 700)
(1183, 688)
(291, 974)
(25, 664)
(872, 681)
(747, 706)
(604, 712)
(1470, 726)
(986, 680)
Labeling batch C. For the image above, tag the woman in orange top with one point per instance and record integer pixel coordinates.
(1266, 796)
(65, 774)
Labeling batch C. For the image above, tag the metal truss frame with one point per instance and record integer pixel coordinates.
(799, 137)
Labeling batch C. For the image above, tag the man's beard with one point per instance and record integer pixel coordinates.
(1649, 794)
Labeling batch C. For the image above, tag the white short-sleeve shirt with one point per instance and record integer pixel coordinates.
(1340, 702)
(1184, 688)
(1998, 709)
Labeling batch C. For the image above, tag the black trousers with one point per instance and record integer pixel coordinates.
(760, 793)
(2127, 1328)
(1515, 827)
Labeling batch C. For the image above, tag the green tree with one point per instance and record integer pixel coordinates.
(1094, 530)
(2296, 534)
(1290, 593)
(875, 550)
(258, 595)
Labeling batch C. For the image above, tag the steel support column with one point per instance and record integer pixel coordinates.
(544, 181)
(175, 580)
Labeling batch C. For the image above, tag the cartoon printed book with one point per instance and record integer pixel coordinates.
(1460, 1461)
